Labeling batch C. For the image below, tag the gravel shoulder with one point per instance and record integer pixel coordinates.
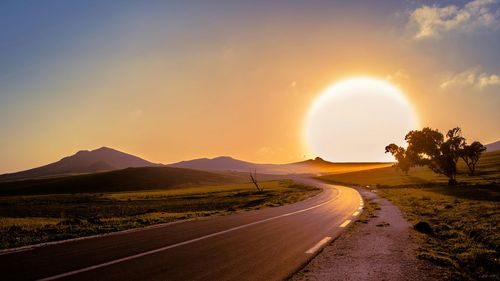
(377, 247)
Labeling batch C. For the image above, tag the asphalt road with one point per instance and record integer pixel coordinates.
(268, 244)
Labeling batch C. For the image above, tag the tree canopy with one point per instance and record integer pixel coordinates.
(471, 154)
(429, 147)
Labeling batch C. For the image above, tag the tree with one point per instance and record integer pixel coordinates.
(399, 153)
(429, 148)
(423, 146)
(253, 177)
(450, 153)
(471, 154)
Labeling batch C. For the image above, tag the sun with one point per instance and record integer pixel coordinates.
(354, 119)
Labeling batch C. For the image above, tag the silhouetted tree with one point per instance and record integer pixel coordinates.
(471, 154)
(429, 148)
(399, 153)
(450, 153)
(253, 177)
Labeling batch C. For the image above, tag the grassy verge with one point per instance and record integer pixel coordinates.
(458, 227)
(369, 209)
(34, 219)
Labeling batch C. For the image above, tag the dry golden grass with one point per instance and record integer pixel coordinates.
(28, 222)
(178, 191)
(464, 222)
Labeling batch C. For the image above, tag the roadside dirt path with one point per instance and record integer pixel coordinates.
(381, 249)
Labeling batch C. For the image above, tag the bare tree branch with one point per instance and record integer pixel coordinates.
(253, 177)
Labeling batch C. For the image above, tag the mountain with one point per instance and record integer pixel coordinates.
(495, 146)
(222, 163)
(84, 161)
(312, 166)
(108, 159)
(226, 163)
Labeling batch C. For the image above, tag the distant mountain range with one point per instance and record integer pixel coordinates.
(494, 146)
(312, 166)
(317, 165)
(84, 161)
(108, 159)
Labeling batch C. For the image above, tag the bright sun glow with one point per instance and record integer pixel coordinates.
(354, 119)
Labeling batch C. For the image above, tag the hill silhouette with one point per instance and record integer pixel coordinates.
(311, 166)
(107, 159)
(84, 161)
(494, 146)
(222, 163)
(130, 179)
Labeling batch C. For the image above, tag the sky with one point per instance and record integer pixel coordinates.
(175, 80)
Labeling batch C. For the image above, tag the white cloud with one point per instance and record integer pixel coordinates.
(471, 77)
(432, 21)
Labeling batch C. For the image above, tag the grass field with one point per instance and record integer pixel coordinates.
(463, 220)
(131, 179)
(40, 218)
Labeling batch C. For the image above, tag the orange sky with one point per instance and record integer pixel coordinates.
(203, 84)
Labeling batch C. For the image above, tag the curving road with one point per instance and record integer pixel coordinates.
(268, 244)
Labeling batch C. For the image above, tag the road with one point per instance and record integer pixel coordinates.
(267, 244)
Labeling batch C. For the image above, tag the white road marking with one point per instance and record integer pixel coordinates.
(12, 251)
(356, 213)
(319, 245)
(360, 208)
(344, 224)
(85, 269)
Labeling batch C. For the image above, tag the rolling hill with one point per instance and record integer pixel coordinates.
(84, 161)
(130, 179)
(494, 146)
